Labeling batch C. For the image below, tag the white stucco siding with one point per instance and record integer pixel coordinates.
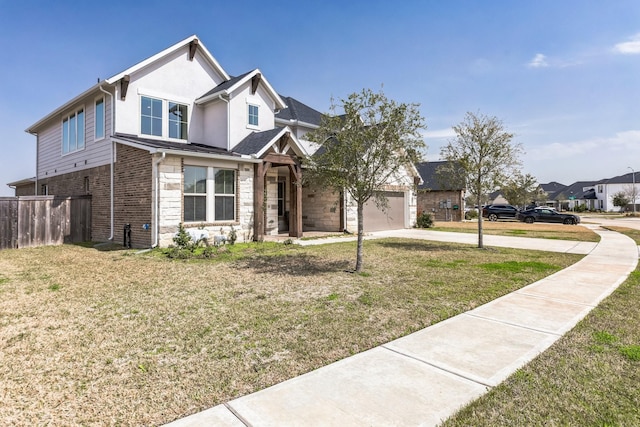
(173, 78)
(239, 111)
(52, 162)
(215, 124)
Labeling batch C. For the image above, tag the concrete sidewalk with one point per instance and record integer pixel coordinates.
(423, 378)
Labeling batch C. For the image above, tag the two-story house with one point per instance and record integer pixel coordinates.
(176, 139)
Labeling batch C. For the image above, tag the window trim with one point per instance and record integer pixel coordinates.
(162, 120)
(95, 118)
(249, 115)
(211, 195)
(67, 118)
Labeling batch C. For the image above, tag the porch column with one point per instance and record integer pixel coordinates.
(295, 226)
(259, 172)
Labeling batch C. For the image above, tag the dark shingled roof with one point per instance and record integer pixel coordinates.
(552, 188)
(574, 190)
(170, 145)
(298, 111)
(256, 141)
(622, 179)
(428, 172)
(226, 85)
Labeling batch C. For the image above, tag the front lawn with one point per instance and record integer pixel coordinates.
(93, 337)
(521, 229)
(589, 377)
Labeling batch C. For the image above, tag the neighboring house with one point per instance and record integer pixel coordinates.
(496, 198)
(25, 187)
(548, 192)
(606, 189)
(444, 200)
(176, 139)
(574, 196)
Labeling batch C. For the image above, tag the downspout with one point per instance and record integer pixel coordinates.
(35, 190)
(156, 202)
(228, 122)
(113, 119)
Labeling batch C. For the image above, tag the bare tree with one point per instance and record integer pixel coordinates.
(484, 150)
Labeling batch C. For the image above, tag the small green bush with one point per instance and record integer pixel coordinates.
(424, 220)
(472, 214)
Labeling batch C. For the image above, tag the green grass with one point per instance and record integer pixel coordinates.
(589, 377)
(93, 336)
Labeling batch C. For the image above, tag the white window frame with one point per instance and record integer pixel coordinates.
(166, 101)
(102, 119)
(67, 119)
(211, 195)
(162, 118)
(249, 115)
(185, 120)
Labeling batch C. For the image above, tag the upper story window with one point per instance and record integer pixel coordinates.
(98, 128)
(177, 121)
(253, 115)
(599, 188)
(73, 132)
(151, 116)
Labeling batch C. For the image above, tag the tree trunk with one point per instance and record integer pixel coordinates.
(480, 242)
(360, 237)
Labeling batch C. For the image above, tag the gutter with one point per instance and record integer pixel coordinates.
(111, 185)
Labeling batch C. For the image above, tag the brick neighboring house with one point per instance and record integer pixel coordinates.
(176, 139)
(444, 200)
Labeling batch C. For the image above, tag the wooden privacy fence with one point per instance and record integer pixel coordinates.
(28, 221)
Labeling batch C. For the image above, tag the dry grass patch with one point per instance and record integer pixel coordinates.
(90, 337)
(588, 378)
(521, 229)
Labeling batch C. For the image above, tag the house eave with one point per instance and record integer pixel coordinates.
(33, 129)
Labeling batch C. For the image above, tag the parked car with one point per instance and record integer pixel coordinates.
(544, 214)
(496, 212)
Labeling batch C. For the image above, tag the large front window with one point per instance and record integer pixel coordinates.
(177, 121)
(209, 194)
(151, 116)
(73, 132)
(195, 193)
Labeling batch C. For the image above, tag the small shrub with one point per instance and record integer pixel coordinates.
(424, 220)
(233, 236)
(472, 214)
(182, 239)
(288, 242)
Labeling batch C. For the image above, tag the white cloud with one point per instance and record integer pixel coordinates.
(538, 61)
(440, 133)
(626, 144)
(631, 47)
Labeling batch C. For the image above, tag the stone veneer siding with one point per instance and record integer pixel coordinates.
(320, 209)
(171, 195)
(429, 201)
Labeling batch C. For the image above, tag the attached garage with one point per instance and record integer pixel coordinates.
(391, 219)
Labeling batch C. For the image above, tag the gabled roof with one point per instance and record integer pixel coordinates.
(431, 181)
(552, 188)
(232, 84)
(257, 143)
(140, 65)
(574, 191)
(298, 112)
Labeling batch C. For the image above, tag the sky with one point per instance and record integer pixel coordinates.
(562, 76)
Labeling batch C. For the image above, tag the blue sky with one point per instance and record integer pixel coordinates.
(563, 76)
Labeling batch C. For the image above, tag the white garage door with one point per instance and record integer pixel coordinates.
(391, 219)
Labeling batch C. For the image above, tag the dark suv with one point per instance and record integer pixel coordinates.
(496, 212)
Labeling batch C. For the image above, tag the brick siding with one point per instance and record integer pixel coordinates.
(430, 202)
